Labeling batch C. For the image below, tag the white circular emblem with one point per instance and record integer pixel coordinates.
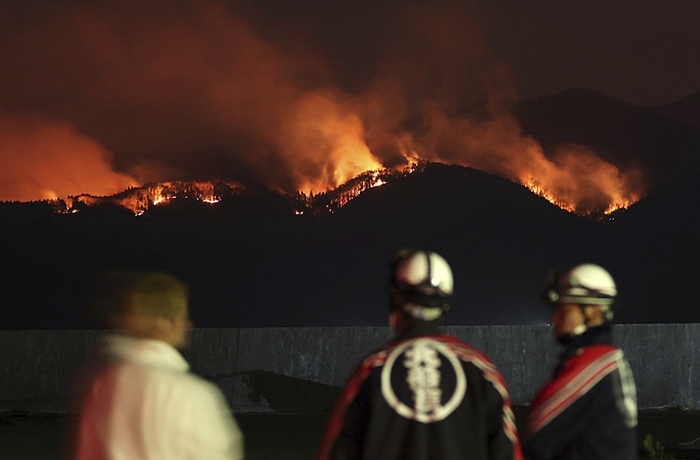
(420, 378)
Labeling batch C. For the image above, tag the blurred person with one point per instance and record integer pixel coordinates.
(139, 399)
(589, 408)
(425, 394)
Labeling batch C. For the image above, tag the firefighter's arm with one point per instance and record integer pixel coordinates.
(346, 428)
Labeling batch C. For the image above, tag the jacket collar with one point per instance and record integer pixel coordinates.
(420, 328)
(598, 335)
(148, 352)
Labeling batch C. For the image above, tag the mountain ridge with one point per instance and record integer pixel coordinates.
(253, 268)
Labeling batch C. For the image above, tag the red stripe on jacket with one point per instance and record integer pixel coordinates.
(581, 373)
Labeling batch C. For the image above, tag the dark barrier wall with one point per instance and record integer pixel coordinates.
(301, 369)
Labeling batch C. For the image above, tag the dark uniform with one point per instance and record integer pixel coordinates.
(423, 396)
(589, 409)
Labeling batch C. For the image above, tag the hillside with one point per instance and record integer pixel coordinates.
(252, 261)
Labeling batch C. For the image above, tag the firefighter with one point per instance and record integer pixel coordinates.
(425, 394)
(589, 408)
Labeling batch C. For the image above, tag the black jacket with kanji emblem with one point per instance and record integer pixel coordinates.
(423, 396)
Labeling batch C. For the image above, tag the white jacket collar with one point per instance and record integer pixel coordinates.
(149, 352)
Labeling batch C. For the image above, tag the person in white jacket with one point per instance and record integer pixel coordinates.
(140, 400)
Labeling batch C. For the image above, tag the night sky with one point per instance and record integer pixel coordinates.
(101, 95)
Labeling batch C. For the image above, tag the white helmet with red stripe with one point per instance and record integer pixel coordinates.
(585, 284)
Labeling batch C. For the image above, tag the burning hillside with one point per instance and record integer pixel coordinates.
(203, 92)
(139, 200)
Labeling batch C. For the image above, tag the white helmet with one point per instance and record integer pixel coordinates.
(421, 284)
(586, 284)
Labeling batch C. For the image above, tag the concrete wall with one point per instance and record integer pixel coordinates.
(301, 369)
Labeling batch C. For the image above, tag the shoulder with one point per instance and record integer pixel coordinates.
(190, 388)
(593, 360)
(578, 376)
(466, 352)
(197, 385)
(588, 366)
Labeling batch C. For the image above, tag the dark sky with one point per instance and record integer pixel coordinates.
(96, 96)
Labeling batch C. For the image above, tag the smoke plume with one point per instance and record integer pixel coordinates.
(132, 92)
(48, 160)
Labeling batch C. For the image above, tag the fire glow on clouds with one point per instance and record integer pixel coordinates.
(98, 99)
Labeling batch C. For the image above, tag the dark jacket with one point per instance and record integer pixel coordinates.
(423, 396)
(589, 409)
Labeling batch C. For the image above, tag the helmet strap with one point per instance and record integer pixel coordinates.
(580, 329)
(584, 312)
(605, 314)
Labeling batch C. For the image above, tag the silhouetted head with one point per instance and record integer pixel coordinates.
(150, 305)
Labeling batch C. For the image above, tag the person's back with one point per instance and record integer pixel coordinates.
(424, 395)
(139, 399)
(142, 403)
(428, 397)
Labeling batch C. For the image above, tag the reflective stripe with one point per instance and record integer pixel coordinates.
(492, 375)
(566, 389)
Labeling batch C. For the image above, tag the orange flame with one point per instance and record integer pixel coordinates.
(580, 182)
(139, 199)
(326, 143)
(572, 177)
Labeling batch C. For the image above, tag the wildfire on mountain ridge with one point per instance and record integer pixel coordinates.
(534, 186)
(616, 203)
(139, 199)
(342, 195)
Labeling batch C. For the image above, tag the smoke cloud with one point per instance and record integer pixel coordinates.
(47, 160)
(141, 92)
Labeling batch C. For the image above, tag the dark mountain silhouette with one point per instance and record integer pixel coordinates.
(656, 245)
(252, 261)
(662, 142)
(685, 110)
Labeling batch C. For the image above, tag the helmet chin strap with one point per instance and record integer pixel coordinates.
(581, 328)
(567, 338)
